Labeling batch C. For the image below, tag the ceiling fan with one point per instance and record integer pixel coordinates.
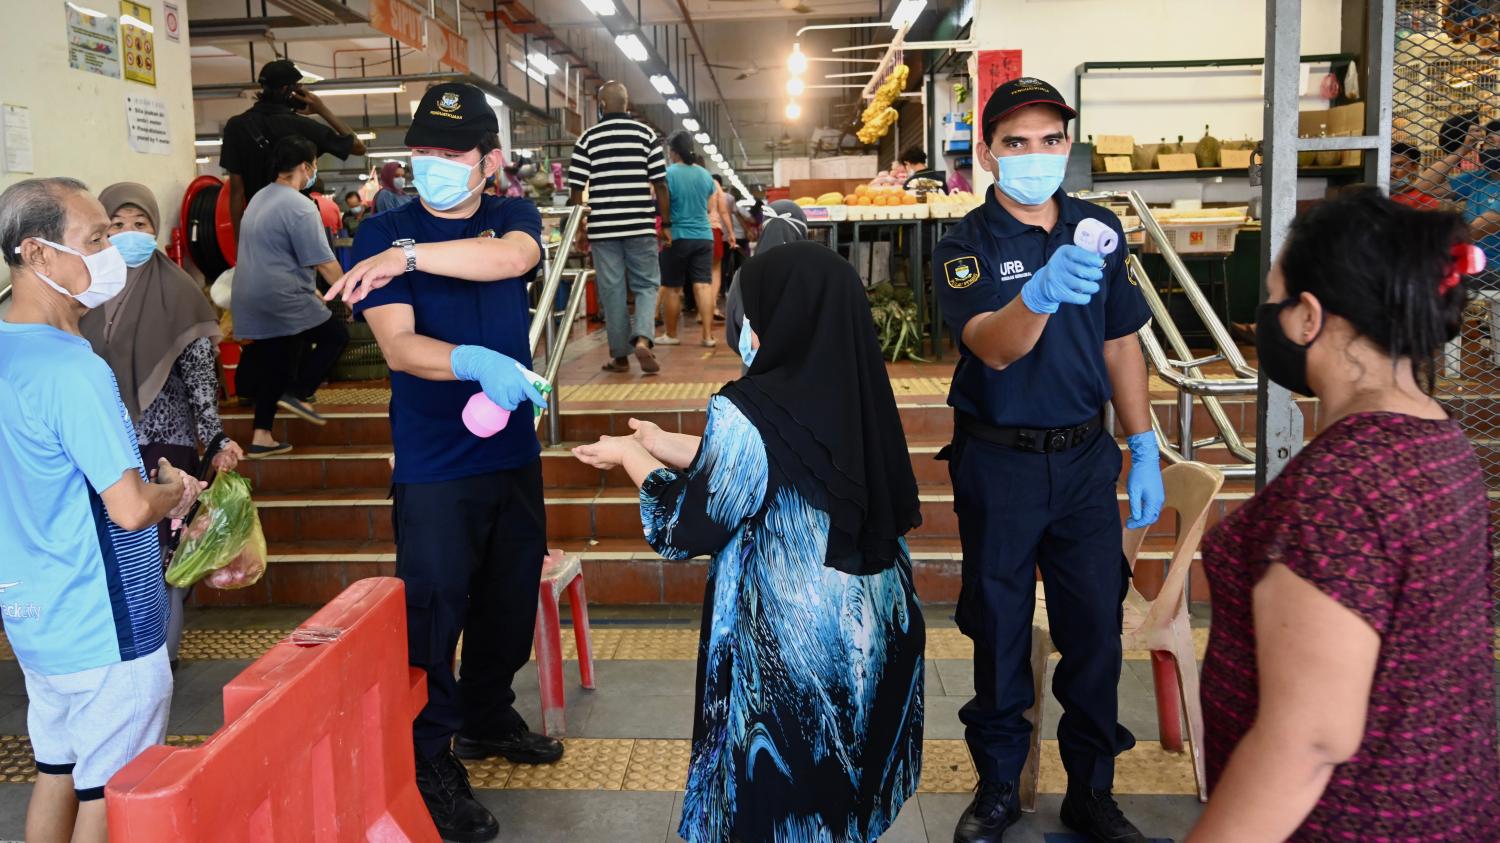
(745, 71)
(798, 6)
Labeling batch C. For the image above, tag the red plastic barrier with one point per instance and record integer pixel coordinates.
(316, 744)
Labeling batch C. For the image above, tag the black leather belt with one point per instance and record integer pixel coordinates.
(1036, 441)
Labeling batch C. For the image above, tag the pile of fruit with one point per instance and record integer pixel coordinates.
(863, 195)
(958, 197)
(879, 116)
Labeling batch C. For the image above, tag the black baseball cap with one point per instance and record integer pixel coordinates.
(453, 115)
(280, 73)
(1019, 93)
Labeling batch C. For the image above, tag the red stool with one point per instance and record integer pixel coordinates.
(560, 572)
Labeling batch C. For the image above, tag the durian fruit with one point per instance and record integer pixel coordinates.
(1162, 148)
(1207, 150)
(1098, 164)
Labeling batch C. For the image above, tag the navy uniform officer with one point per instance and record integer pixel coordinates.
(442, 283)
(1048, 337)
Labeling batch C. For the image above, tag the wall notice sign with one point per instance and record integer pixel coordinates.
(398, 20)
(93, 41)
(171, 21)
(15, 139)
(146, 125)
(138, 38)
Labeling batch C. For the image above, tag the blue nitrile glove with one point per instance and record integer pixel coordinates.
(503, 379)
(1071, 276)
(1144, 483)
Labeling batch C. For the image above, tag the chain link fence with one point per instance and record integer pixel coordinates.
(1447, 71)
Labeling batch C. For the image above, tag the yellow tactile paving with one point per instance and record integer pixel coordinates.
(611, 643)
(587, 764)
(946, 768)
(374, 396)
(660, 765)
(489, 774)
(17, 766)
(660, 391)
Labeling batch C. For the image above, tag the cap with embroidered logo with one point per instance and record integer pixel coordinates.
(1019, 93)
(453, 115)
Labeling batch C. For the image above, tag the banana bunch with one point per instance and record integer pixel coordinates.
(886, 94)
(875, 129)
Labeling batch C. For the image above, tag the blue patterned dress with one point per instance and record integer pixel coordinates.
(809, 710)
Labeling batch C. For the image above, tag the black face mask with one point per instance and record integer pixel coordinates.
(1490, 160)
(1283, 361)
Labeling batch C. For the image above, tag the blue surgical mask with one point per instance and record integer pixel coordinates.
(1031, 179)
(136, 247)
(442, 184)
(747, 352)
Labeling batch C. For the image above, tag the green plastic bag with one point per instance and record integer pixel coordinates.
(224, 542)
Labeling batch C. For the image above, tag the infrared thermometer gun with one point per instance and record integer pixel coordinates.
(484, 418)
(1096, 237)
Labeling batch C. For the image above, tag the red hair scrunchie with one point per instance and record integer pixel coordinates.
(1468, 259)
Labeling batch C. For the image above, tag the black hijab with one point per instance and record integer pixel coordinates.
(785, 222)
(819, 395)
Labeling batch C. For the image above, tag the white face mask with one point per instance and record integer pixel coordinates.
(107, 274)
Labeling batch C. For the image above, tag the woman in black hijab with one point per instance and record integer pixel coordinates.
(809, 721)
(784, 222)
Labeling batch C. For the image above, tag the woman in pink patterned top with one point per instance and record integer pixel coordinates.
(1349, 688)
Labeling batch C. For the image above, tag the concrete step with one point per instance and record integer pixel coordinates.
(618, 572)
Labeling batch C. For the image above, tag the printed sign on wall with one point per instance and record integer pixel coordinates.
(138, 38)
(146, 125)
(171, 21)
(93, 42)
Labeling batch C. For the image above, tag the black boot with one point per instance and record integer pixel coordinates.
(995, 808)
(520, 746)
(444, 784)
(1096, 815)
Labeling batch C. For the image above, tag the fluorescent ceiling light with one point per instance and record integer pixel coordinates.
(796, 62)
(132, 20)
(663, 84)
(209, 142)
(390, 153)
(794, 86)
(542, 63)
(690, 124)
(603, 8)
(365, 135)
(631, 46)
(203, 160)
(793, 111)
(906, 13)
(308, 77)
(360, 92)
(677, 105)
(711, 149)
(702, 137)
(364, 176)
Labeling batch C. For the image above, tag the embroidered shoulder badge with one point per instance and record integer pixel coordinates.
(962, 272)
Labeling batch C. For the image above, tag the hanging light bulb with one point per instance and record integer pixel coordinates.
(794, 86)
(793, 111)
(796, 62)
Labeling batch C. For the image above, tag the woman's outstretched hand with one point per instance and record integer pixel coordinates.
(610, 451)
(648, 434)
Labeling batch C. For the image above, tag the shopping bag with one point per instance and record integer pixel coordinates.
(222, 542)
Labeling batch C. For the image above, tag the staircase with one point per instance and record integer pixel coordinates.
(325, 506)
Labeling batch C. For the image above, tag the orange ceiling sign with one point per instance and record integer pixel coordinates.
(398, 20)
(455, 48)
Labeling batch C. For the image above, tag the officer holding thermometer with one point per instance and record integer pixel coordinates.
(1047, 338)
(442, 282)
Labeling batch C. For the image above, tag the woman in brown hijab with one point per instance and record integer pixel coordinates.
(159, 337)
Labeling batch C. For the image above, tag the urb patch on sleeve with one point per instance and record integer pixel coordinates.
(962, 271)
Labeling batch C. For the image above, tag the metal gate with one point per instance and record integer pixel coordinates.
(1447, 79)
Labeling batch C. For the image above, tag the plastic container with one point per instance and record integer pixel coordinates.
(483, 417)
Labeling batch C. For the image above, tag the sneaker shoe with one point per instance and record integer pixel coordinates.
(260, 452)
(444, 784)
(518, 747)
(666, 340)
(617, 364)
(296, 407)
(995, 808)
(1096, 815)
(647, 358)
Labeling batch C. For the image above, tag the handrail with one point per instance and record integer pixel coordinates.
(554, 361)
(5, 293)
(541, 321)
(553, 274)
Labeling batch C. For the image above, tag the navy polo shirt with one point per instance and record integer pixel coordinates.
(427, 427)
(980, 265)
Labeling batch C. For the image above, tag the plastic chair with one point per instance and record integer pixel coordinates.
(560, 572)
(1160, 626)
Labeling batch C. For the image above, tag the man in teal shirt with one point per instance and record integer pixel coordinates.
(689, 259)
(1479, 189)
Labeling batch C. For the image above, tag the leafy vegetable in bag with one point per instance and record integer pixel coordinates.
(223, 542)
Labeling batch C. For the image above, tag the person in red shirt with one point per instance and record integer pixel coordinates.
(1406, 163)
(1349, 686)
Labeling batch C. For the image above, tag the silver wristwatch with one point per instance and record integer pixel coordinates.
(409, 246)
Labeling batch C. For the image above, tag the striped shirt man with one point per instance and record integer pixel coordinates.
(618, 159)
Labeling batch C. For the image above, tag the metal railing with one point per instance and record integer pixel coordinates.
(1181, 371)
(544, 315)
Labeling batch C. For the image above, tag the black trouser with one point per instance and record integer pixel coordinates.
(1018, 512)
(470, 552)
(294, 365)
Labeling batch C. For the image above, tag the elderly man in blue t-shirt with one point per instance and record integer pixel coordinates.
(80, 568)
(442, 282)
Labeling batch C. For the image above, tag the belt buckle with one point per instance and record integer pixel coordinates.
(1058, 439)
